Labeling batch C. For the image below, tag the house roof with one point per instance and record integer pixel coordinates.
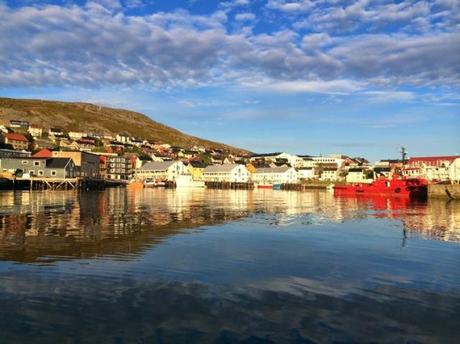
(277, 169)
(16, 137)
(220, 168)
(382, 169)
(433, 158)
(57, 162)
(157, 166)
(265, 155)
(43, 153)
(197, 164)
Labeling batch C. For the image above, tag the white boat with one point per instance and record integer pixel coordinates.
(186, 181)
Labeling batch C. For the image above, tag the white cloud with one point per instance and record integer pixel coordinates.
(245, 16)
(389, 96)
(317, 86)
(94, 46)
(290, 6)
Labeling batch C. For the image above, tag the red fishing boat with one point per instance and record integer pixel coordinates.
(396, 186)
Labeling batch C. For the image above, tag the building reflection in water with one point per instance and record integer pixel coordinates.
(48, 226)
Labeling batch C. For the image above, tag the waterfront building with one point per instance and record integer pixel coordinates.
(17, 141)
(118, 168)
(431, 167)
(454, 171)
(40, 167)
(436, 161)
(306, 173)
(230, 173)
(275, 175)
(87, 163)
(330, 174)
(196, 168)
(161, 171)
(359, 175)
(10, 153)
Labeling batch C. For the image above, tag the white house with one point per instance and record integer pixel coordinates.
(123, 138)
(162, 171)
(454, 171)
(76, 135)
(292, 160)
(357, 175)
(329, 174)
(232, 173)
(436, 172)
(35, 130)
(56, 132)
(274, 175)
(306, 173)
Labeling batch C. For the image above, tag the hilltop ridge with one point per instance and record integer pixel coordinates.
(79, 116)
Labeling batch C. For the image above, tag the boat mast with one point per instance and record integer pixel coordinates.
(403, 155)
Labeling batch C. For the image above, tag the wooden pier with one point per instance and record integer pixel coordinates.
(42, 183)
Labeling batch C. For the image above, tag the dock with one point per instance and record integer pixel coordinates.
(448, 191)
(42, 183)
(229, 185)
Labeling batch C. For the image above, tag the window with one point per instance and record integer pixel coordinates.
(24, 162)
(53, 173)
(36, 163)
(40, 172)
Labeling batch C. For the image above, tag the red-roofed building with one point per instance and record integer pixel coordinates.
(43, 153)
(17, 141)
(437, 161)
(430, 167)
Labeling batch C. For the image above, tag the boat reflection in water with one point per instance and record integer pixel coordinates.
(198, 265)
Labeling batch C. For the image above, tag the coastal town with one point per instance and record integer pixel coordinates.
(53, 158)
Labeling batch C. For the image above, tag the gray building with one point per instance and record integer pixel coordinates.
(118, 168)
(10, 153)
(40, 167)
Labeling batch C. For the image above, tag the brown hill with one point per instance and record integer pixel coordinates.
(93, 118)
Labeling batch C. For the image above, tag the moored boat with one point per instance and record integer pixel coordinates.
(265, 186)
(395, 186)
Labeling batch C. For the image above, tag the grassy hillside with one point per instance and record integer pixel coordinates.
(94, 118)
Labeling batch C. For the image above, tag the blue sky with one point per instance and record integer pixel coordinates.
(328, 76)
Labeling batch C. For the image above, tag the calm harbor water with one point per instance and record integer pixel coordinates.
(227, 266)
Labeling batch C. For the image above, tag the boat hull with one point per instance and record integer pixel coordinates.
(407, 188)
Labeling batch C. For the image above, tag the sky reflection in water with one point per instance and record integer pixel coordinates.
(227, 266)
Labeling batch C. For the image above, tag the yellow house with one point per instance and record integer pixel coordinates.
(251, 168)
(195, 168)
